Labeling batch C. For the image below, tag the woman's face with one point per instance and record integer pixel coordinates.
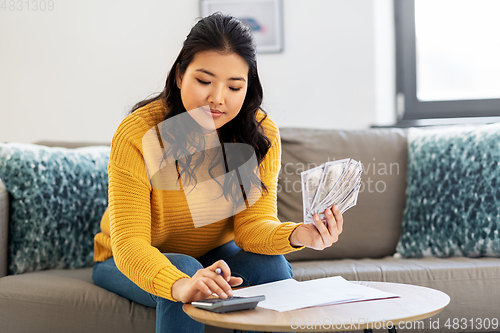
(214, 87)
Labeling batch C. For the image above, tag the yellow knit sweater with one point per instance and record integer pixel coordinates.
(142, 221)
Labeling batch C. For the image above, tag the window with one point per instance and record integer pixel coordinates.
(447, 59)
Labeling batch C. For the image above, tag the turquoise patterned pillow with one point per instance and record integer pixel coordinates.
(57, 198)
(453, 193)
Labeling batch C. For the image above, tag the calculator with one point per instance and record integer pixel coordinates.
(234, 303)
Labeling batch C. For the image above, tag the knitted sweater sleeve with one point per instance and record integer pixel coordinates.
(258, 229)
(130, 214)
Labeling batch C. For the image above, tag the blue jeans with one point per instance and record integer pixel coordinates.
(251, 267)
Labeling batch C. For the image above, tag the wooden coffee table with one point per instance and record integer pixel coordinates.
(408, 311)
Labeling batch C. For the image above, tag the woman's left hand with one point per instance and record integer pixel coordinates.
(318, 236)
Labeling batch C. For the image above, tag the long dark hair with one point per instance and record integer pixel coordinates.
(224, 34)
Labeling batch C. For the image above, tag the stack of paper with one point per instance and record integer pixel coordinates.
(287, 295)
(333, 183)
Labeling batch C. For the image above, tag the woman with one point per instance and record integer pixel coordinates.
(151, 249)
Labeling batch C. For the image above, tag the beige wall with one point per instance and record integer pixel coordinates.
(72, 73)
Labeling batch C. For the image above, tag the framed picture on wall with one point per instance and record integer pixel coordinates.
(264, 17)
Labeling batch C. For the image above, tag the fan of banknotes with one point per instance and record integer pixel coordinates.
(332, 183)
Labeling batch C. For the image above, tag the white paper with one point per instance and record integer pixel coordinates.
(287, 295)
(339, 288)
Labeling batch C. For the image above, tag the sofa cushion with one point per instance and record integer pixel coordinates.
(67, 301)
(453, 193)
(57, 198)
(372, 227)
(4, 222)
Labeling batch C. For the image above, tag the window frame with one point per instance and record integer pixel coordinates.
(409, 108)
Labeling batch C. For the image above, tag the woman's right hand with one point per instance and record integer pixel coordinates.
(205, 282)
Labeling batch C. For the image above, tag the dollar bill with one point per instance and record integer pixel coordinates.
(310, 180)
(332, 183)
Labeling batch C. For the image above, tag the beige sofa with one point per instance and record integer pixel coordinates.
(68, 301)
